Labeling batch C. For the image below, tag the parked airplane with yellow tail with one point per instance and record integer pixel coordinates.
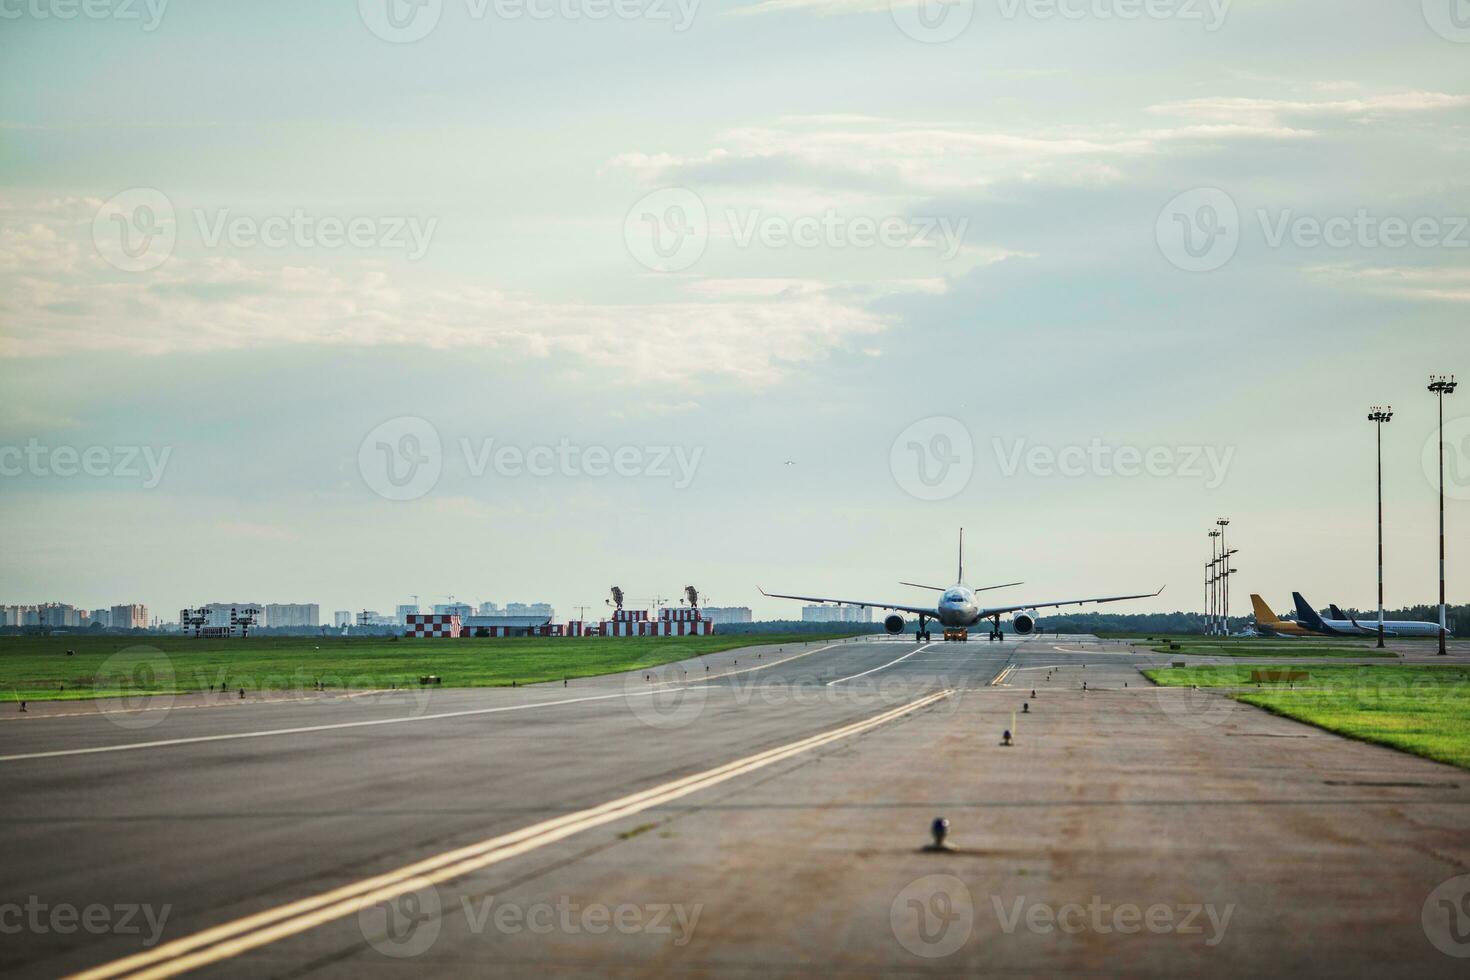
(1269, 624)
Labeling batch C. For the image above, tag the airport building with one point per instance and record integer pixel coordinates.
(727, 614)
(64, 615)
(20, 615)
(543, 609)
(371, 617)
(219, 615)
(130, 617)
(279, 614)
(220, 620)
(529, 609)
(624, 622)
(836, 614)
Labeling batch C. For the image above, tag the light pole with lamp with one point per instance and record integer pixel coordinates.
(1441, 386)
(1223, 523)
(1378, 416)
(1210, 579)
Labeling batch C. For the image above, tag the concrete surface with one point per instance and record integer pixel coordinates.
(1229, 841)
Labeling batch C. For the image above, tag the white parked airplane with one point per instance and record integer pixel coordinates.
(1343, 625)
(959, 608)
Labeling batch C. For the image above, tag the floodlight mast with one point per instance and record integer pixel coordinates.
(1378, 416)
(1210, 579)
(1440, 386)
(1223, 523)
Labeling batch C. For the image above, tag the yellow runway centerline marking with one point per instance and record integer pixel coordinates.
(231, 939)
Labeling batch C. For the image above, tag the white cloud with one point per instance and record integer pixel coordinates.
(58, 297)
(1268, 116)
(856, 158)
(1428, 283)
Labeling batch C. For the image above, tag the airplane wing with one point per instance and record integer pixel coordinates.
(997, 610)
(862, 604)
(982, 588)
(1372, 628)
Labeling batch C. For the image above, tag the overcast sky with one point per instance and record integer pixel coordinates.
(343, 302)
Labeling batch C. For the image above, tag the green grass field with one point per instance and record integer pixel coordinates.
(1266, 648)
(1420, 709)
(38, 668)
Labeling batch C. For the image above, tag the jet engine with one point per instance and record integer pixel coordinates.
(1024, 622)
(893, 623)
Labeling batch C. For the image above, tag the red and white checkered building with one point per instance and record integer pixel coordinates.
(432, 625)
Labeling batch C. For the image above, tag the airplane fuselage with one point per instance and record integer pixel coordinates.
(958, 607)
(1391, 627)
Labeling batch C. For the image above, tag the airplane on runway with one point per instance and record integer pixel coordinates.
(958, 607)
(1341, 625)
(1269, 624)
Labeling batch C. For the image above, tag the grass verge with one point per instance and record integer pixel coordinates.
(1423, 709)
(40, 668)
(1265, 648)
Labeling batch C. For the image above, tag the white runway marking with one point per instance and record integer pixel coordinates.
(225, 701)
(230, 939)
(306, 729)
(773, 663)
(884, 667)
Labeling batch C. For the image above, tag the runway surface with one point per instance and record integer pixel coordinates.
(758, 811)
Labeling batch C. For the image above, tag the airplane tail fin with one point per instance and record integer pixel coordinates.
(1264, 615)
(960, 577)
(1336, 612)
(1305, 612)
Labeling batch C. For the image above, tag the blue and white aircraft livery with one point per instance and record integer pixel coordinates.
(1344, 625)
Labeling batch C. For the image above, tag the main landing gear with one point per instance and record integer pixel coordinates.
(996, 636)
(922, 636)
